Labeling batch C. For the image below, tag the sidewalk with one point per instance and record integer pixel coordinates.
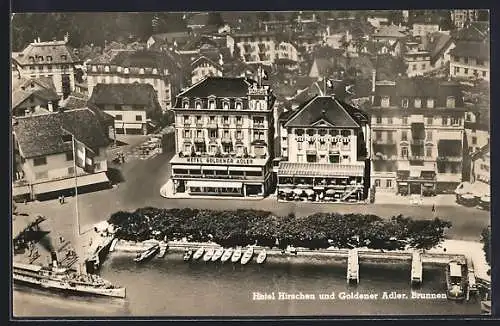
(470, 249)
(392, 198)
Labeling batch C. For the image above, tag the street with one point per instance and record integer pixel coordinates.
(144, 178)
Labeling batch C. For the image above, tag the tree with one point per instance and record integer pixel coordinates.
(486, 240)
(215, 19)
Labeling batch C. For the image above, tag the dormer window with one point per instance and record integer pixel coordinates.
(385, 103)
(106, 68)
(64, 57)
(198, 105)
(155, 71)
(430, 103)
(450, 102)
(225, 105)
(126, 70)
(119, 69)
(185, 103)
(211, 104)
(238, 105)
(67, 138)
(49, 58)
(40, 59)
(418, 103)
(32, 59)
(141, 71)
(94, 68)
(404, 103)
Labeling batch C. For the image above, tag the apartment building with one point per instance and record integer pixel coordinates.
(417, 135)
(224, 138)
(264, 48)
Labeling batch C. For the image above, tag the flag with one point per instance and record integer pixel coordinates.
(84, 156)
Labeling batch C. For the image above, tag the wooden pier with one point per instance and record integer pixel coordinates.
(353, 266)
(416, 268)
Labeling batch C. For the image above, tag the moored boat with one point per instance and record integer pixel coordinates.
(455, 281)
(247, 256)
(228, 253)
(261, 258)
(236, 255)
(218, 254)
(64, 280)
(148, 253)
(208, 254)
(198, 253)
(188, 254)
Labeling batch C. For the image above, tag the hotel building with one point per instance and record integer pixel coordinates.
(54, 59)
(224, 136)
(324, 152)
(417, 136)
(264, 48)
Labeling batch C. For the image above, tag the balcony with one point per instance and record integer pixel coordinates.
(449, 159)
(212, 125)
(199, 124)
(259, 125)
(418, 142)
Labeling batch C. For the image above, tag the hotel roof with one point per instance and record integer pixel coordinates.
(219, 86)
(125, 94)
(42, 134)
(55, 49)
(326, 111)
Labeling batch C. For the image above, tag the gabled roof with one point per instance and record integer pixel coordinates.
(202, 59)
(42, 87)
(42, 134)
(437, 42)
(149, 59)
(218, 86)
(323, 66)
(390, 31)
(478, 31)
(325, 111)
(123, 94)
(180, 37)
(472, 49)
(54, 49)
(74, 101)
(195, 43)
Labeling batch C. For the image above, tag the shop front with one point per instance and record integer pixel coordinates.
(423, 184)
(320, 182)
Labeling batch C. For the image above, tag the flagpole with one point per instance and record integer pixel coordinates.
(76, 186)
(324, 86)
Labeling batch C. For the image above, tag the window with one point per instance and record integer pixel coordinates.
(429, 135)
(466, 71)
(388, 183)
(226, 134)
(37, 161)
(238, 105)
(187, 148)
(379, 119)
(141, 71)
(377, 182)
(430, 120)
(484, 73)
(389, 136)
(187, 133)
(414, 67)
(474, 140)
(430, 103)
(239, 120)
(225, 120)
(389, 120)
(49, 58)
(444, 121)
(480, 62)
(428, 151)
(118, 117)
(405, 120)
(211, 104)
(138, 118)
(423, 66)
(385, 102)
(405, 103)
(239, 134)
(71, 170)
(404, 135)
(63, 57)
(199, 134)
(211, 119)
(198, 105)
(378, 135)
(126, 70)
(198, 119)
(187, 120)
(299, 145)
(106, 68)
(185, 104)
(404, 152)
(418, 103)
(212, 133)
(69, 156)
(225, 105)
(455, 121)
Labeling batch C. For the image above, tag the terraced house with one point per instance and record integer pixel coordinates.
(44, 153)
(417, 135)
(224, 136)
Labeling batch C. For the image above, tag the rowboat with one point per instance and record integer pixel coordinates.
(208, 254)
(142, 256)
(247, 256)
(236, 255)
(227, 255)
(188, 254)
(218, 254)
(261, 258)
(198, 253)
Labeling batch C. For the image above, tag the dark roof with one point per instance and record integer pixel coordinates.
(179, 36)
(144, 58)
(219, 86)
(43, 134)
(42, 87)
(478, 31)
(195, 43)
(479, 50)
(390, 31)
(74, 101)
(123, 94)
(55, 49)
(200, 19)
(323, 108)
(436, 43)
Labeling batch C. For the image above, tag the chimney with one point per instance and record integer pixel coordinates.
(66, 37)
(53, 256)
(38, 40)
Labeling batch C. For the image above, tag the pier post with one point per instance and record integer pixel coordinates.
(353, 266)
(416, 268)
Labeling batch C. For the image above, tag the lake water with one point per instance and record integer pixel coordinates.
(170, 287)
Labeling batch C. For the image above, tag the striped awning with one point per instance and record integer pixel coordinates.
(84, 180)
(320, 170)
